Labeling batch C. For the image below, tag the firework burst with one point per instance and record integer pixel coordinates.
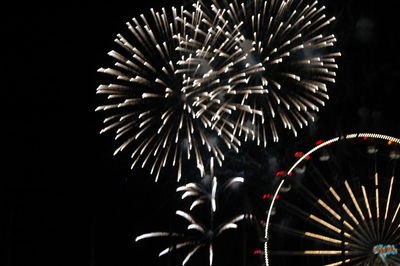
(270, 55)
(150, 107)
(200, 234)
(207, 190)
(196, 236)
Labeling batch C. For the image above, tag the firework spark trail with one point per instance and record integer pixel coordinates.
(199, 235)
(151, 107)
(206, 191)
(212, 54)
(269, 55)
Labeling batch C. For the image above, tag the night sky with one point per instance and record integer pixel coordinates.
(65, 200)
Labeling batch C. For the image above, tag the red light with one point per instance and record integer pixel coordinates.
(256, 252)
(266, 196)
(308, 157)
(319, 142)
(290, 174)
(298, 154)
(280, 173)
(365, 138)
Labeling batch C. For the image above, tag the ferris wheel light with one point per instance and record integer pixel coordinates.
(298, 154)
(285, 189)
(300, 170)
(324, 157)
(273, 212)
(372, 149)
(280, 173)
(394, 155)
(266, 196)
(258, 252)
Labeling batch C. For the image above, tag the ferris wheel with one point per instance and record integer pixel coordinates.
(343, 207)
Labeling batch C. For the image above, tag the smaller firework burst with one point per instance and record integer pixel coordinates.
(196, 236)
(200, 234)
(207, 189)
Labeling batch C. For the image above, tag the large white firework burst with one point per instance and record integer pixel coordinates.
(150, 106)
(271, 55)
(212, 54)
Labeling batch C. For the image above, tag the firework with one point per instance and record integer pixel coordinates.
(196, 236)
(211, 53)
(207, 190)
(351, 215)
(270, 55)
(150, 107)
(200, 234)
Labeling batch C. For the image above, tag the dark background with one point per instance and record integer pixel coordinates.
(64, 199)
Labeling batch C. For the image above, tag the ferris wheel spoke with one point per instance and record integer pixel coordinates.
(332, 253)
(386, 227)
(392, 227)
(396, 259)
(361, 232)
(367, 205)
(345, 261)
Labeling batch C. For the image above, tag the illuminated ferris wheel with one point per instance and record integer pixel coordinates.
(343, 207)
